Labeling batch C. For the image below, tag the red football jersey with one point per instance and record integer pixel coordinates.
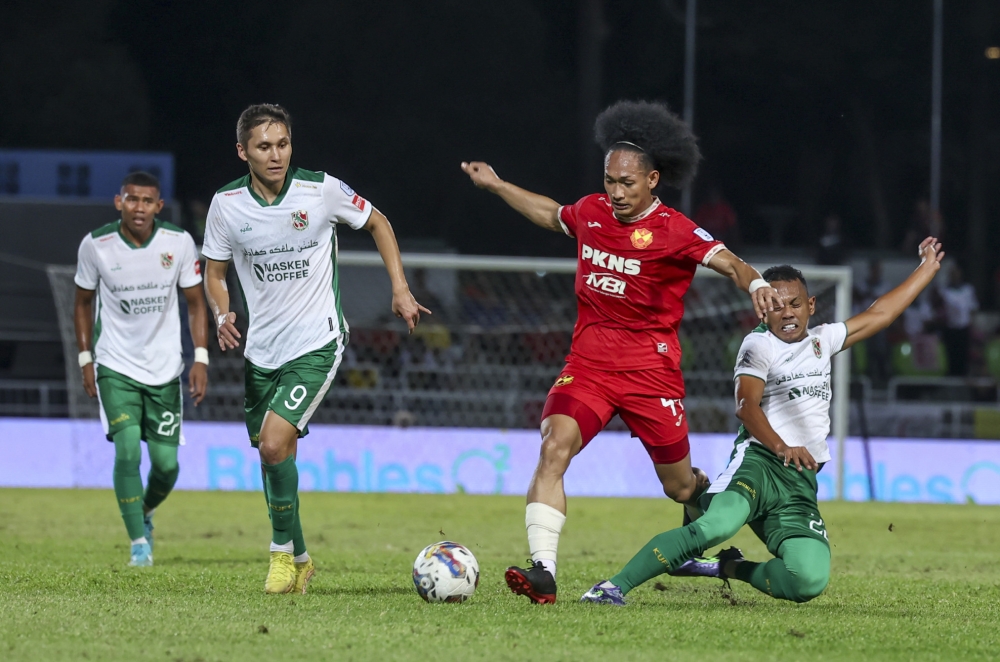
(630, 283)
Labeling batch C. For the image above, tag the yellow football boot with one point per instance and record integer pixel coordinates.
(281, 574)
(303, 573)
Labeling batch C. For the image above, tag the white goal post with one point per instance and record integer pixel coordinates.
(840, 275)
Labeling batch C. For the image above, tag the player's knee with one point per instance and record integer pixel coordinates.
(810, 584)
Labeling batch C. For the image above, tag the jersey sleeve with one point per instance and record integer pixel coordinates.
(344, 204)
(690, 241)
(755, 357)
(833, 336)
(217, 245)
(87, 274)
(190, 264)
(568, 217)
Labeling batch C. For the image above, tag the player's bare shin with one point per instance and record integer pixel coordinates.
(83, 323)
(403, 303)
(540, 210)
(217, 293)
(749, 391)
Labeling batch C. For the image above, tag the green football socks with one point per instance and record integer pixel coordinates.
(127, 481)
(724, 517)
(163, 473)
(282, 486)
(800, 573)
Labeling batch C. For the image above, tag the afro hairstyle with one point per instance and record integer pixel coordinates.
(660, 134)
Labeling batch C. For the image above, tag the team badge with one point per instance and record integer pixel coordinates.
(564, 380)
(817, 348)
(641, 238)
(300, 220)
(166, 260)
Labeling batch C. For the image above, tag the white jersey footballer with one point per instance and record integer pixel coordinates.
(286, 259)
(796, 376)
(137, 330)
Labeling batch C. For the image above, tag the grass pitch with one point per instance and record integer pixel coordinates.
(929, 588)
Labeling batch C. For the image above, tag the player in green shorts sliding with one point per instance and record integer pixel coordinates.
(783, 400)
(130, 354)
(277, 225)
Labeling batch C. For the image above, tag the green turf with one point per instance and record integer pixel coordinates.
(927, 589)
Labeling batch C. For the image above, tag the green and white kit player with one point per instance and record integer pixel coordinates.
(278, 226)
(783, 399)
(130, 351)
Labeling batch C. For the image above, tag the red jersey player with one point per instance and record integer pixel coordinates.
(636, 261)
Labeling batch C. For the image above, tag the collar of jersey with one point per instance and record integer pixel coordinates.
(281, 196)
(156, 226)
(638, 217)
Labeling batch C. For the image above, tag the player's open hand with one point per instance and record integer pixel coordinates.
(198, 382)
(229, 336)
(765, 300)
(89, 380)
(482, 175)
(405, 306)
(930, 254)
(799, 457)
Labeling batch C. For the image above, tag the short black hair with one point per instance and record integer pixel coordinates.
(651, 129)
(140, 178)
(785, 273)
(261, 113)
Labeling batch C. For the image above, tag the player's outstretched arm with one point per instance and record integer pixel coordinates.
(218, 301)
(403, 303)
(83, 323)
(198, 322)
(891, 305)
(542, 211)
(764, 297)
(749, 391)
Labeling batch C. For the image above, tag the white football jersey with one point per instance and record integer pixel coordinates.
(286, 259)
(137, 327)
(796, 377)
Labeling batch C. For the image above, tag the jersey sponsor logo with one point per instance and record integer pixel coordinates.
(236, 192)
(606, 283)
(143, 305)
(817, 348)
(277, 272)
(662, 348)
(120, 419)
(359, 202)
(300, 219)
(630, 267)
(246, 228)
(704, 234)
(166, 260)
(348, 191)
(593, 224)
(107, 237)
(304, 185)
(117, 267)
(565, 380)
(197, 267)
(822, 392)
(752, 491)
(641, 238)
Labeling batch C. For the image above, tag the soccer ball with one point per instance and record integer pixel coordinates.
(445, 572)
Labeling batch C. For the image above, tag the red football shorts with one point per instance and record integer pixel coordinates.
(650, 402)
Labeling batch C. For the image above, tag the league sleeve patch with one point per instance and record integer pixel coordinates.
(348, 191)
(704, 234)
(745, 359)
(358, 202)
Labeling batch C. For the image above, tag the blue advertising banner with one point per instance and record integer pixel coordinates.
(59, 175)
(217, 456)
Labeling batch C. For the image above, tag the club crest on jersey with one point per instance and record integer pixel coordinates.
(300, 219)
(817, 348)
(166, 260)
(641, 238)
(564, 380)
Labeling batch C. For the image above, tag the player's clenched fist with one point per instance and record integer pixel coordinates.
(482, 175)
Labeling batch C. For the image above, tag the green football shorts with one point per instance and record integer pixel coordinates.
(292, 391)
(782, 500)
(126, 402)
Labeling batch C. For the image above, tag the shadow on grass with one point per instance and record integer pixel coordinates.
(361, 590)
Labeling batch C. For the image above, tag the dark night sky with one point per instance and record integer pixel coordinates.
(813, 106)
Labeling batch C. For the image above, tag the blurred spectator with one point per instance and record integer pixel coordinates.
(958, 302)
(865, 293)
(923, 224)
(718, 217)
(831, 242)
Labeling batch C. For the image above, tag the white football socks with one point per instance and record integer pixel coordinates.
(287, 547)
(302, 558)
(140, 541)
(544, 524)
